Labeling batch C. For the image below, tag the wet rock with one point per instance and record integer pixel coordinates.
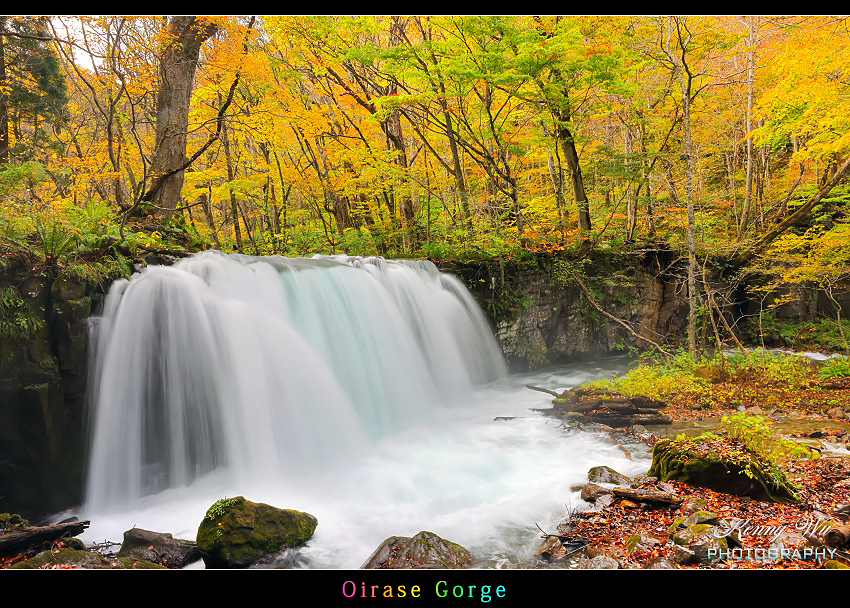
(426, 550)
(236, 532)
(160, 548)
(551, 548)
(591, 492)
(603, 474)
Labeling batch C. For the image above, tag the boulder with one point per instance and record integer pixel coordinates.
(426, 550)
(744, 477)
(159, 548)
(604, 474)
(591, 492)
(236, 532)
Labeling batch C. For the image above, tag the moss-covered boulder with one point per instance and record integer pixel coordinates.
(604, 474)
(236, 532)
(425, 550)
(730, 470)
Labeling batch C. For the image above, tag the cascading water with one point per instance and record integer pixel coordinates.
(360, 390)
(264, 366)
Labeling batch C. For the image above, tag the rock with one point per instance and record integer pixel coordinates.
(591, 492)
(237, 532)
(641, 542)
(604, 501)
(836, 412)
(643, 480)
(77, 559)
(682, 555)
(700, 517)
(603, 474)
(834, 564)
(674, 460)
(160, 548)
(659, 563)
(700, 539)
(426, 550)
(63, 289)
(692, 504)
(551, 548)
(600, 562)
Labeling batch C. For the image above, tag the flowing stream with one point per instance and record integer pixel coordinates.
(367, 392)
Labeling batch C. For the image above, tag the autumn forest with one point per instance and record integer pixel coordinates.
(442, 137)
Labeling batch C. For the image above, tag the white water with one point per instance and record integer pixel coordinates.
(347, 388)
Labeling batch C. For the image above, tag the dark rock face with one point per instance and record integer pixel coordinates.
(424, 551)
(159, 548)
(236, 532)
(43, 373)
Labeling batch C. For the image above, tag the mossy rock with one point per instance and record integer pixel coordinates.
(424, 551)
(236, 532)
(604, 474)
(676, 461)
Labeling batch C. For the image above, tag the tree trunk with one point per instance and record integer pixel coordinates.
(751, 71)
(176, 75)
(234, 205)
(4, 111)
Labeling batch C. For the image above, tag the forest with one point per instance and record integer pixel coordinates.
(467, 138)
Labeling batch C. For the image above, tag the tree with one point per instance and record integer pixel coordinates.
(176, 77)
(32, 90)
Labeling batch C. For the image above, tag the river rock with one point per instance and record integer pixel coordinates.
(236, 532)
(591, 492)
(551, 548)
(426, 550)
(603, 474)
(158, 547)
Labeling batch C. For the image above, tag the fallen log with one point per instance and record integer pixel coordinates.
(838, 536)
(20, 539)
(647, 495)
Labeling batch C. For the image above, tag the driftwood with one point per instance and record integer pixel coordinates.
(647, 495)
(542, 390)
(20, 539)
(838, 536)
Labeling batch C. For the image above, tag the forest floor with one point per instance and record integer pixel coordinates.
(640, 534)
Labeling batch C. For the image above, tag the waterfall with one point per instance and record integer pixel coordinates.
(269, 367)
